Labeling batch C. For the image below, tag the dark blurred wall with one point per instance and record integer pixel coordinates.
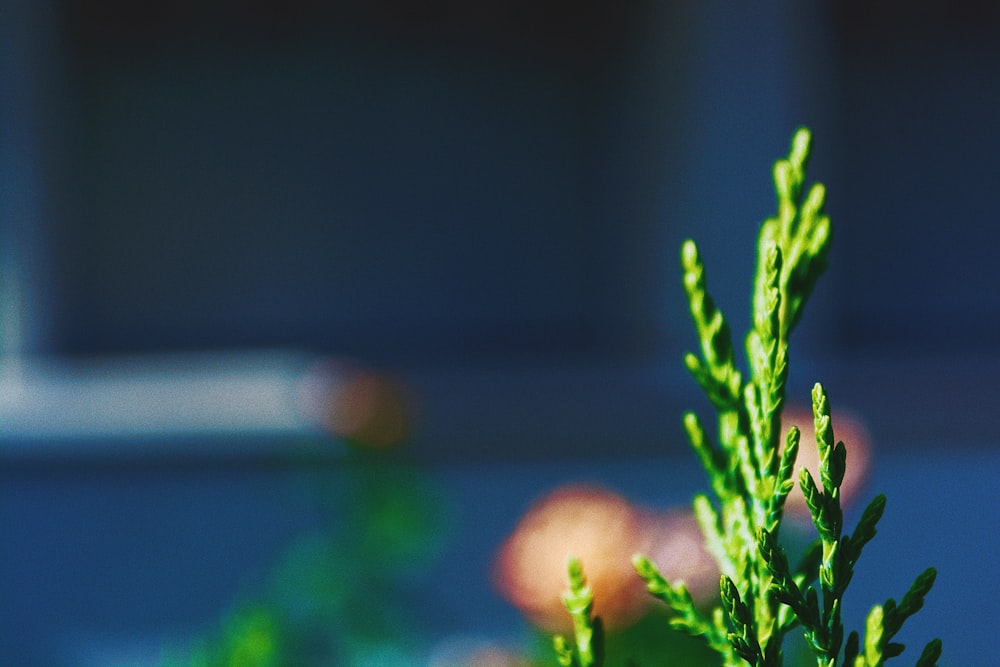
(407, 182)
(918, 108)
(390, 181)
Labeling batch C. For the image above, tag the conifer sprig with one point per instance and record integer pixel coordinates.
(762, 597)
(587, 648)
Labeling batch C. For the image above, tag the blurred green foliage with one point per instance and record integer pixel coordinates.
(337, 595)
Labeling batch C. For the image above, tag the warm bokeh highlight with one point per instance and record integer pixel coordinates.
(604, 530)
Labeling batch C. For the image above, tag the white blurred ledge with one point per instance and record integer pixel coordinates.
(269, 404)
(50, 404)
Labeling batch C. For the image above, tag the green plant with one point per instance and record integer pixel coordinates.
(588, 633)
(763, 598)
(324, 602)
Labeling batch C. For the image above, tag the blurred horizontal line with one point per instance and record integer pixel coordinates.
(267, 405)
(96, 403)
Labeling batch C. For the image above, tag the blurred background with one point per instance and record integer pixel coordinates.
(248, 249)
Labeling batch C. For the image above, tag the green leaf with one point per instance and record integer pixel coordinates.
(743, 635)
(874, 637)
(892, 649)
(865, 530)
(930, 654)
(912, 602)
(564, 651)
(588, 633)
(851, 649)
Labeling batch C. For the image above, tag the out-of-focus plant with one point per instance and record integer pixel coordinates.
(763, 597)
(326, 601)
